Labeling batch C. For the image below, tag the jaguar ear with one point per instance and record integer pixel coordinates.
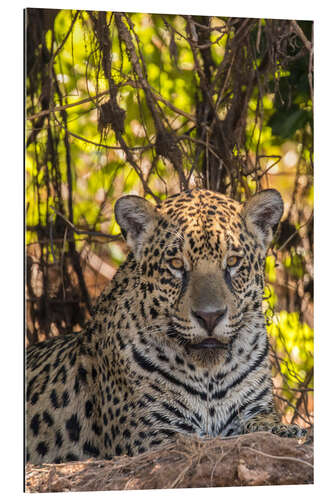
(262, 213)
(137, 218)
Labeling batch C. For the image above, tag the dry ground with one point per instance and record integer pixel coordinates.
(253, 459)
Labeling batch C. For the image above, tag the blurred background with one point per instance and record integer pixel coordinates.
(153, 104)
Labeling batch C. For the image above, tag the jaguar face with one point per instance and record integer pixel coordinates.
(203, 263)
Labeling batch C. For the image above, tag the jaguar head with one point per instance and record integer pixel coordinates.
(201, 255)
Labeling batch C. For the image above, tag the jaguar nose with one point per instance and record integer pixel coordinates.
(209, 320)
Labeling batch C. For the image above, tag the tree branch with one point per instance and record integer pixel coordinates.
(302, 36)
(116, 237)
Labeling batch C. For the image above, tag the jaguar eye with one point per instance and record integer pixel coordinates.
(176, 264)
(232, 261)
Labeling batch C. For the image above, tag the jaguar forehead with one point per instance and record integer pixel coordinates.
(199, 204)
(207, 220)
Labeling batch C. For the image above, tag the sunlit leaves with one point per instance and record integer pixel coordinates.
(270, 268)
(293, 344)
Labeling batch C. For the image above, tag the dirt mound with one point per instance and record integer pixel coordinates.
(253, 459)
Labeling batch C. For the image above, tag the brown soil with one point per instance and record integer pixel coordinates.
(253, 459)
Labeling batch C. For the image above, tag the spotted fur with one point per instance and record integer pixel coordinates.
(177, 343)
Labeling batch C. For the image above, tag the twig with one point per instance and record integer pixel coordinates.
(300, 33)
(51, 237)
(259, 176)
(292, 459)
(58, 50)
(106, 92)
(258, 36)
(310, 77)
(291, 405)
(100, 145)
(115, 237)
(309, 46)
(66, 106)
(66, 36)
(180, 476)
(295, 232)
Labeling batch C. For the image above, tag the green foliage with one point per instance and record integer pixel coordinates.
(293, 344)
(292, 103)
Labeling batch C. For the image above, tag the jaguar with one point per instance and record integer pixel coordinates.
(177, 342)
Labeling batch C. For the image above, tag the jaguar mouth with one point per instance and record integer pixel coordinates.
(209, 343)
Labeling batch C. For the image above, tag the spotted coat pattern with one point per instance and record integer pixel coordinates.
(177, 342)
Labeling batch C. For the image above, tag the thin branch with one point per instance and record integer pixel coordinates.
(111, 237)
(106, 92)
(291, 405)
(300, 33)
(270, 166)
(295, 232)
(309, 46)
(275, 457)
(66, 106)
(101, 145)
(66, 36)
